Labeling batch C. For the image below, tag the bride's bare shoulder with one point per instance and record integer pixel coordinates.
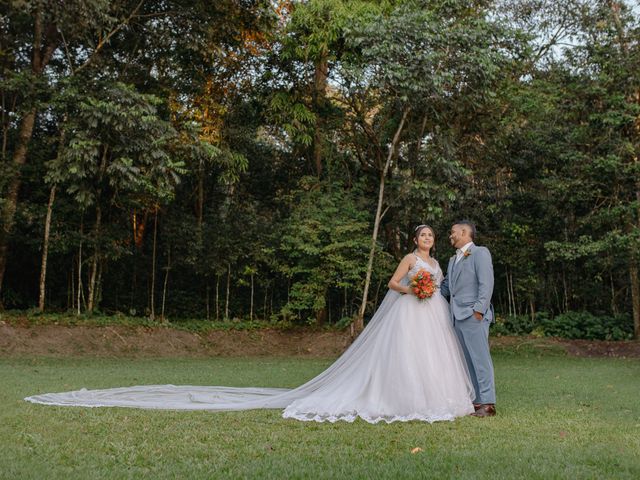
(407, 260)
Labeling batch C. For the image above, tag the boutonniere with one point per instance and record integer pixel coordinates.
(466, 253)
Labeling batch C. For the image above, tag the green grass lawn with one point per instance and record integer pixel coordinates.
(559, 417)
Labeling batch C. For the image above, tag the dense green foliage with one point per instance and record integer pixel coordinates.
(570, 325)
(559, 417)
(222, 159)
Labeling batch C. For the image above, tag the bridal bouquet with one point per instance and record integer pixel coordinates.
(423, 285)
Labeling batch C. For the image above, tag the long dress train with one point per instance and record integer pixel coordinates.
(406, 365)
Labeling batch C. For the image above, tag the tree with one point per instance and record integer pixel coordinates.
(147, 43)
(322, 248)
(425, 58)
(37, 24)
(117, 154)
(604, 145)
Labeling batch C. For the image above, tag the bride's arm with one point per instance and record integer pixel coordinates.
(401, 271)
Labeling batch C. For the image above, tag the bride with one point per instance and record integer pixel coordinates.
(406, 365)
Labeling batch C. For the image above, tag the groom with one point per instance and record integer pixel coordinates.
(469, 286)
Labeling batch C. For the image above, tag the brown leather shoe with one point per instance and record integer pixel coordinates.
(486, 410)
(476, 406)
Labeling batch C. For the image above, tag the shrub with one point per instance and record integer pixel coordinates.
(585, 325)
(517, 324)
(512, 325)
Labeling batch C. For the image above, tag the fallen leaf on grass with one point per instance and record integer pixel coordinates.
(416, 450)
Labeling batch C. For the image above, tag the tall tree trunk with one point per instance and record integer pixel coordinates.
(166, 281)
(44, 44)
(217, 297)
(134, 283)
(207, 300)
(226, 305)
(321, 317)
(264, 305)
(96, 230)
(7, 216)
(252, 292)
(532, 308)
(344, 311)
(612, 288)
(514, 302)
(71, 298)
(98, 290)
(5, 126)
(152, 300)
(79, 290)
(271, 302)
(508, 292)
(45, 249)
(96, 257)
(565, 289)
(358, 325)
(319, 99)
(47, 229)
(200, 199)
(375, 299)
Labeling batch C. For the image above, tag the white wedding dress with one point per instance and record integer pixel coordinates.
(406, 365)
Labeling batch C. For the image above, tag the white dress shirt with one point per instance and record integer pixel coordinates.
(460, 251)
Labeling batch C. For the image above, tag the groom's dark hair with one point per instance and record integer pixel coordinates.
(470, 225)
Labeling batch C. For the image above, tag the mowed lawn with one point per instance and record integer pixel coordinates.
(559, 417)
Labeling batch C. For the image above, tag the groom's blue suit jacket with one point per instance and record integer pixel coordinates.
(469, 284)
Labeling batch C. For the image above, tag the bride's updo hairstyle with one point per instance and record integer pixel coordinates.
(416, 235)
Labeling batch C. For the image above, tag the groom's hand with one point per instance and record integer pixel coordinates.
(478, 315)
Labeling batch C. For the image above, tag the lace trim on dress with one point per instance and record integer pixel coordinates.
(453, 409)
(352, 417)
(435, 271)
(448, 415)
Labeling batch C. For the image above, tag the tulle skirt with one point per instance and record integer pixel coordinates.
(411, 369)
(406, 365)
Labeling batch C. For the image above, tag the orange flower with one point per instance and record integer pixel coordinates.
(423, 285)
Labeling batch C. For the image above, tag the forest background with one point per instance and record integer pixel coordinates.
(265, 159)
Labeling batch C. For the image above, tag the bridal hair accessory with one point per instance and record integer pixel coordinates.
(419, 226)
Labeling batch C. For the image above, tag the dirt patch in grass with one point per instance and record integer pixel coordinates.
(576, 348)
(587, 348)
(118, 340)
